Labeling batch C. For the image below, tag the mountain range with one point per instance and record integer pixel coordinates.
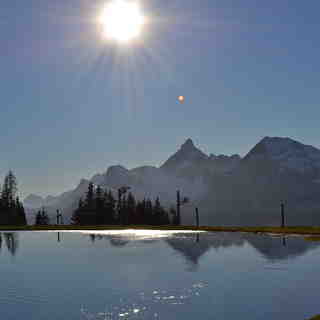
(228, 190)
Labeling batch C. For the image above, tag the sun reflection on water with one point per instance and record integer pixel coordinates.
(132, 233)
(147, 305)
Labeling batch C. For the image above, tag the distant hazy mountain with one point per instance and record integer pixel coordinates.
(227, 189)
(33, 201)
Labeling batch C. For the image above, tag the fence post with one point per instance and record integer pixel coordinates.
(282, 215)
(197, 217)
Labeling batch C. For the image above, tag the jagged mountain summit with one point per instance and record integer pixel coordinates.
(227, 189)
(188, 155)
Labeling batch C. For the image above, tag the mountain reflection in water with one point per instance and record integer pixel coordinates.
(194, 246)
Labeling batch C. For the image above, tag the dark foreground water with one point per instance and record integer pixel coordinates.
(156, 275)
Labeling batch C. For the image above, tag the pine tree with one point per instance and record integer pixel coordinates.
(148, 212)
(99, 206)
(80, 206)
(119, 207)
(139, 214)
(20, 211)
(89, 202)
(76, 218)
(9, 189)
(38, 218)
(45, 218)
(42, 218)
(110, 208)
(5, 194)
(173, 214)
(131, 209)
(11, 210)
(124, 211)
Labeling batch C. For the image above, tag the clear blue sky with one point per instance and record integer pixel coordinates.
(72, 104)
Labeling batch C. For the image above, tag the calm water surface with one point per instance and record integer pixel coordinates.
(157, 275)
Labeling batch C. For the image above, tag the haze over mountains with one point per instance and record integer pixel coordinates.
(229, 190)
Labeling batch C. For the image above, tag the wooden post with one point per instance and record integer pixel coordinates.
(119, 205)
(197, 217)
(58, 217)
(282, 215)
(178, 209)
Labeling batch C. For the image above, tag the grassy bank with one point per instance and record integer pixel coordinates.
(315, 318)
(312, 231)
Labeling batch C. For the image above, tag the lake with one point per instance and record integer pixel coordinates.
(157, 275)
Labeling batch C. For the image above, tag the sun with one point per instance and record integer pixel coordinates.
(122, 20)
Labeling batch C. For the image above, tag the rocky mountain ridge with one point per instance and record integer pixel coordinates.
(227, 189)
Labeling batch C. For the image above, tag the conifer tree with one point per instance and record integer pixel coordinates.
(173, 214)
(99, 206)
(110, 208)
(131, 209)
(11, 210)
(148, 212)
(139, 214)
(90, 197)
(38, 218)
(75, 218)
(42, 218)
(45, 218)
(80, 205)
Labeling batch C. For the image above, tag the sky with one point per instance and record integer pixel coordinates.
(74, 103)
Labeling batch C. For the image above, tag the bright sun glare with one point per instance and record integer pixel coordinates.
(122, 20)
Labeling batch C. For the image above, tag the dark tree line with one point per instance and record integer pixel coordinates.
(100, 207)
(42, 218)
(11, 209)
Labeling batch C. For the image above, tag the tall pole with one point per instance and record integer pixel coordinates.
(119, 205)
(58, 217)
(178, 208)
(197, 217)
(282, 215)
